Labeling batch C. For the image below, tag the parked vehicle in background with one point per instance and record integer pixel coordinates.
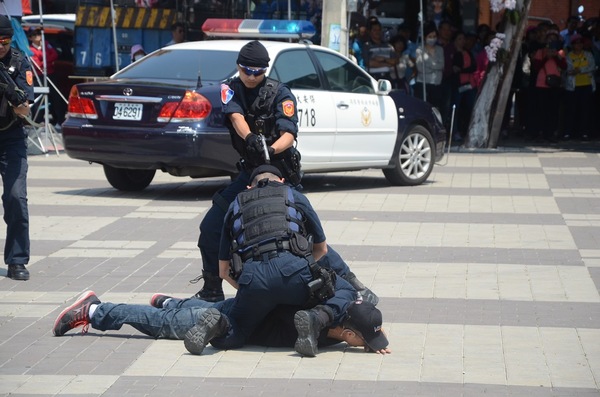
(164, 113)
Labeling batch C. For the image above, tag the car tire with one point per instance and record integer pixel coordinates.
(128, 180)
(414, 158)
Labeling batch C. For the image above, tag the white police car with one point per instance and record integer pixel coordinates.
(164, 112)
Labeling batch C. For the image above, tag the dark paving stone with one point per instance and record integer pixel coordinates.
(491, 312)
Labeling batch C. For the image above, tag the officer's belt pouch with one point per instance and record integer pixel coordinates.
(300, 245)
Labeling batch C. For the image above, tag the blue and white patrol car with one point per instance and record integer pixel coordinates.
(164, 112)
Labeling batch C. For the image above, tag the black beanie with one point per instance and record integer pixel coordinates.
(254, 54)
(6, 28)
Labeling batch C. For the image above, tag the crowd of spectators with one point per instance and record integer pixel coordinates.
(553, 92)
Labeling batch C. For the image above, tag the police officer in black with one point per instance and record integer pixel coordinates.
(16, 91)
(256, 108)
(267, 255)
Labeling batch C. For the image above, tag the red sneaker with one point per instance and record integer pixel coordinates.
(75, 315)
(157, 300)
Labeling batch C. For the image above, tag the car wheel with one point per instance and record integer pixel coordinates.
(414, 159)
(128, 180)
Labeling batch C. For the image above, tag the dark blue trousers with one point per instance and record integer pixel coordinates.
(13, 168)
(212, 223)
(263, 285)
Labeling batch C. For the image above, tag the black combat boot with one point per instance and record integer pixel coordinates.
(210, 324)
(367, 294)
(212, 291)
(309, 324)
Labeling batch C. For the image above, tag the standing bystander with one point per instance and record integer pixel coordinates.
(58, 106)
(177, 33)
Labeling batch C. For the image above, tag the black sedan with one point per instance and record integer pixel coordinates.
(164, 113)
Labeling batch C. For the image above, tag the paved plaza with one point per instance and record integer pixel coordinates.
(489, 278)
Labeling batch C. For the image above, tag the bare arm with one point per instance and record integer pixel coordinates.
(224, 273)
(285, 141)
(319, 250)
(239, 124)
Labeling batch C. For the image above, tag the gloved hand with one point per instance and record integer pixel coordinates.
(254, 149)
(271, 151)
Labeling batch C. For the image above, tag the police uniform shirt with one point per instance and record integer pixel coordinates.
(311, 221)
(236, 98)
(23, 78)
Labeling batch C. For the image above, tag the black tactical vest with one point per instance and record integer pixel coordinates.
(261, 114)
(265, 213)
(13, 62)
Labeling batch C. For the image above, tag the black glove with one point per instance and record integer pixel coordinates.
(254, 149)
(271, 152)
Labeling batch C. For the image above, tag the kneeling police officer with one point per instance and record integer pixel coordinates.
(266, 253)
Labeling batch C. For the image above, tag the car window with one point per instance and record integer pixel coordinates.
(343, 75)
(184, 65)
(296, 69)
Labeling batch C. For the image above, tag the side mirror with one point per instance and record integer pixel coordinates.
(383, 87)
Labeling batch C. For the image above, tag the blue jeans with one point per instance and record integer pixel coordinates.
(13, 168)
(157, 323)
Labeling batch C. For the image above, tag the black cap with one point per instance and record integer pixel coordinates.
(254, 54)
(365, 318)
(262, 169)
(6, 28)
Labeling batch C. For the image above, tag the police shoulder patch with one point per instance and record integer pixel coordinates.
(226, 93)
(288, 108)
(29, 77)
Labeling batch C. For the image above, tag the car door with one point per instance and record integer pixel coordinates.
(316, 119)
(367, 123)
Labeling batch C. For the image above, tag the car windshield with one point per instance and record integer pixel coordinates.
(183, 65)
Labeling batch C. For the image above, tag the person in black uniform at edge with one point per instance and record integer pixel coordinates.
(255, 105)
(271, 241)
(16, 91)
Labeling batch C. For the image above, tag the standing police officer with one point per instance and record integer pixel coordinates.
(255, 107)
(262, 119)
(16, 90)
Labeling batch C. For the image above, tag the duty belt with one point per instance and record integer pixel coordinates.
(258, 252)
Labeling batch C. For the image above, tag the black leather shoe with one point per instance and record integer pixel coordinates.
(18, 272)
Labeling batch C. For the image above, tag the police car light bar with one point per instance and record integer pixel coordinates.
(258, 28)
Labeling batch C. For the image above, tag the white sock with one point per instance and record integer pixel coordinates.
(92, 310)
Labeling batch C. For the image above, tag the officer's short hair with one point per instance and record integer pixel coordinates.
(265, 172)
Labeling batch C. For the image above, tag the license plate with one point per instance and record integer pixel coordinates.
(128, 111)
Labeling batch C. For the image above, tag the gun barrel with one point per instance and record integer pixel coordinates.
(265, 149)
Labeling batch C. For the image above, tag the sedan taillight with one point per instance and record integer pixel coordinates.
(192, 107)
(81, 107)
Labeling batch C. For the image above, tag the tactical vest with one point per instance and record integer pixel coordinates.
(261, 114)
(13, 68)
(264, 214)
